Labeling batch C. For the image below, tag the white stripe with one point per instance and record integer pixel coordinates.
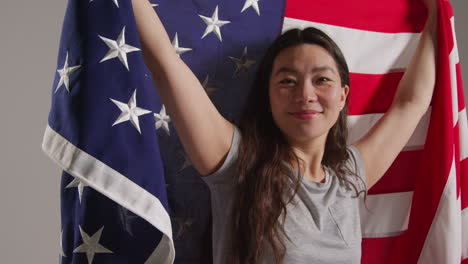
(387, 216)
(114, 185)
(454, 53)
(463, 126)
(379, 53)
(443, 241)
(462, 123)
(359, 125)
(453, 60)
(464, 221)
(162, 252)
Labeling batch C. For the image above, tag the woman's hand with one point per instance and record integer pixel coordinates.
(431, 5)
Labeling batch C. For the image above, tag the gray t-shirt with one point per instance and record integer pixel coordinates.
(322, 219)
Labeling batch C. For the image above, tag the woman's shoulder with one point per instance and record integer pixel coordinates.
(355, 159)
(225, 173)
(356, 167)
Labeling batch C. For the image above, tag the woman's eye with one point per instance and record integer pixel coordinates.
(287, 81)
(323, 79)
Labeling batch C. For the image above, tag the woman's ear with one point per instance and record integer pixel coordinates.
(344, 95)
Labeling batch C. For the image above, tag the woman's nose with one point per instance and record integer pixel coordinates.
(305, 92)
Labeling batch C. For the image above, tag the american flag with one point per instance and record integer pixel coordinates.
(111, 135)
(102, 132)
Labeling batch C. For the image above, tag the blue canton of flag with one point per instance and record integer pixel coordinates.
(111, 134)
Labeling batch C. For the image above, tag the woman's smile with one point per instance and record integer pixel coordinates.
(306, 114)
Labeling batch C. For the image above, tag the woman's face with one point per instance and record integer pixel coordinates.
(305, 91)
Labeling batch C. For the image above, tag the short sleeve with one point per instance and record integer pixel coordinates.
(225, 174)
(356, 164)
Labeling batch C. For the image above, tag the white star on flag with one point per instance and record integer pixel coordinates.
(251, 3)
(184, 225)
(91, 245)
(187, 163)
(242, 63)
(118, 48)
(208, 89)
(115, 2)
(213, 24)
(126, 218)
(79, 184)
(162, 120)
(61, 253)
(178, 50)
(65, 73)
(130, 111)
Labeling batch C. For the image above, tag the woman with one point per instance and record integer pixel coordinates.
(284, 183)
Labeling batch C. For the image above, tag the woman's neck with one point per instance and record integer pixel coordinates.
(311, 153)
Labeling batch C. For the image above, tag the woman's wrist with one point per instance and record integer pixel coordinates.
(431, 6)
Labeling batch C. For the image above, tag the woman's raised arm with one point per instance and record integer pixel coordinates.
(381, 145)
(205, 134)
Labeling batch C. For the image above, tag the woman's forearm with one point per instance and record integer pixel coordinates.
(203, 131)
(156, 46)
(417, 85)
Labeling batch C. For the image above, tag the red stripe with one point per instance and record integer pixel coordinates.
(436, 159)
(465, 261)
(464, 183)
(456, 138)
(401, 175)
(372, 93)
(448, 9)
(376, 250)
(461, 98)
(389, 16)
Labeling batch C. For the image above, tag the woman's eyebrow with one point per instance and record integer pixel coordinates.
(314, 70)
(323, 68)
(285, 69)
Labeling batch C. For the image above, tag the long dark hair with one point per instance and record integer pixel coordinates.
(263, 186)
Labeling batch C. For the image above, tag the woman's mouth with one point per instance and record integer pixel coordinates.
(305, 115)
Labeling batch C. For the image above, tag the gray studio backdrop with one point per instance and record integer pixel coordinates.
(29, 190)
